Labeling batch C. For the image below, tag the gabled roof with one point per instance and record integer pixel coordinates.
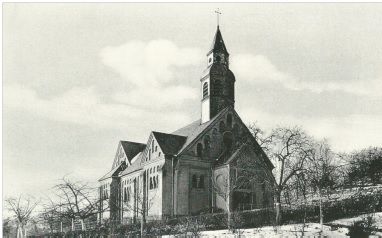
(218, 43)
(169, 143)
(193, 130)
(132, 148)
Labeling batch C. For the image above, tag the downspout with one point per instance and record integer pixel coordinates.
(173, 184)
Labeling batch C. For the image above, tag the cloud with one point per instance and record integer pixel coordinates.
(157, 97)
(83, 106)
(149, 70)
(149, 63)
(257, 69)
(346, 133)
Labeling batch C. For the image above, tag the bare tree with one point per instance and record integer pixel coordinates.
(22, 209)
(139, 201)
(321, 172)
(51, 216)
(288, 149)
(77, 201)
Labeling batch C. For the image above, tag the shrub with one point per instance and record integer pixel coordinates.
(363, 228)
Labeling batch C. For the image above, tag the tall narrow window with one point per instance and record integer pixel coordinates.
(125, 194)
(201, 181)
(205, 90)
(194, 181)
(229, 120)
(152, 146)
(207, 142)
(199, 149)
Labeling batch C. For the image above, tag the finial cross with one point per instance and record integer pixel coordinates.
(217, 11)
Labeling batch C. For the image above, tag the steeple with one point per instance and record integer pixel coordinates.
(218, 52)
(218, 81)
(218, 43)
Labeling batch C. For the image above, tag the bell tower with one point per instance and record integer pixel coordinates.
(217, 81)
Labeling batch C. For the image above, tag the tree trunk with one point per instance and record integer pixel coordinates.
(83, 227)
(229, 219)
(321, 213)
(278, 208)
(143, 222)
(19, 233)
(72, 224)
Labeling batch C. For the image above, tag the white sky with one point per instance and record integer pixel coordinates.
(77, 78)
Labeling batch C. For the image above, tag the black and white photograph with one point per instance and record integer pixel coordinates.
(180, 120)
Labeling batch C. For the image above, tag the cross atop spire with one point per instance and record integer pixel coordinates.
(217, 11)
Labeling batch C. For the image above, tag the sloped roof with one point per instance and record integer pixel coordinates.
(218, 43)
(132, 148)
(193, 130)
(169, 143)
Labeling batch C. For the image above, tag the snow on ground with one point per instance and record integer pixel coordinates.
(294, 230)
(349, 221)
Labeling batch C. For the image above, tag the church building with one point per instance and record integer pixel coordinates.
(195, 169)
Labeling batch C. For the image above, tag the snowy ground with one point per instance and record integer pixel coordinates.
(294, 230)
(348, 221)
(311, 230)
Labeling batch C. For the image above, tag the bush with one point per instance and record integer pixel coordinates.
(362, 229)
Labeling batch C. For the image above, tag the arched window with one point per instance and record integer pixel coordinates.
(155, 182)
(205, 90)
(229, 120)
(207, 142)
(201, 181)
(235, 130)
(194, 181)
(221, 126)
(199, 149)
(151, 183)
(125, 194)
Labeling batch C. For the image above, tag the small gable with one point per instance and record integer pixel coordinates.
(170, 144)
(126, 151)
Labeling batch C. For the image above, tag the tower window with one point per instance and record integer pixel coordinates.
(199, 149)
(205, 90)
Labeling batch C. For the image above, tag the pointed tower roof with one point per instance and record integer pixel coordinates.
(218, 43)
